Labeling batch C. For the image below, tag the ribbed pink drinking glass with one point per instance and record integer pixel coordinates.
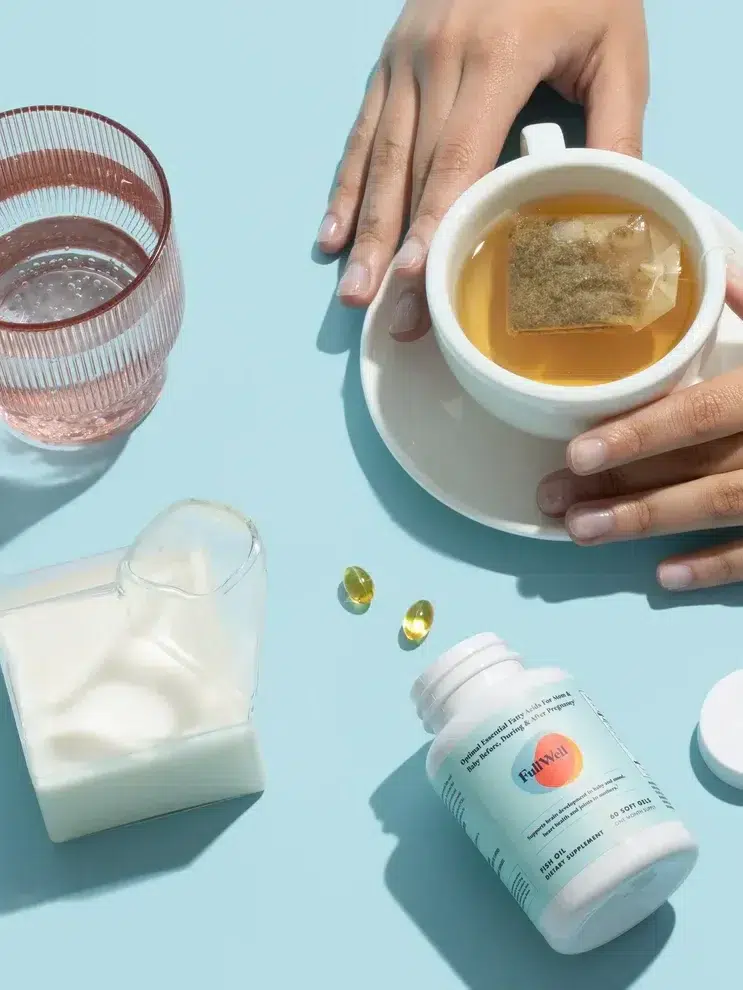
(91, 288)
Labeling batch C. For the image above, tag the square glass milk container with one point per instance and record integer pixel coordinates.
(132, 674)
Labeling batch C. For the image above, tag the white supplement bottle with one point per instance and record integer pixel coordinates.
(582, 837)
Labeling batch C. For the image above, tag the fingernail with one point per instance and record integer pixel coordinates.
(590, 524)
(675, 577)
(355, 281)
(587, 455)
(328, 228)
(555, 495)
(410, 254)
(407, 314)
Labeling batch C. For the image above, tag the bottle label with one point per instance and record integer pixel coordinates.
(544, 788)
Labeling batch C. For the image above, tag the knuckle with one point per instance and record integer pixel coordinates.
(641, 516)
(437, 46)
(388, 156)
(426, 221)
(725, 499)
(701, 412)
(369, 236)
(359, 138)
(393, 43)
(625, 144)
(346, 188)
(454, 158)
(496, 49)
(632, 438)
(726, 567)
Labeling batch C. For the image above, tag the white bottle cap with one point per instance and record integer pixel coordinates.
(454, 668)
(720, 731)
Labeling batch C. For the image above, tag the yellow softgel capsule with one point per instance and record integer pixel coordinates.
(358, 585)
(417, 622)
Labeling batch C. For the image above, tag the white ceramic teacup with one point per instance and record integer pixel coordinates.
(548, 168)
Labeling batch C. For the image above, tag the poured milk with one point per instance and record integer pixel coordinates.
(128, 712)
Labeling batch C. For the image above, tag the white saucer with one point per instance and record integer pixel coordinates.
(460, 454)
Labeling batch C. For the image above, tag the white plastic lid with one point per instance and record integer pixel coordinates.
(453, 668)
(439, 668)
(720, 731)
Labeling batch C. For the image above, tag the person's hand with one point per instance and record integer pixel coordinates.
(451, 79)
(670, 467)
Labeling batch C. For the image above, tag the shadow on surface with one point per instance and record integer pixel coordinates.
(34, 482)
(33, 870)
(711, 784)
(441, 882)
(405, 644)
(353, 608)
(554, 572)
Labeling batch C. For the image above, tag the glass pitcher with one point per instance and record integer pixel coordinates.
(194, 584)
(132, 675)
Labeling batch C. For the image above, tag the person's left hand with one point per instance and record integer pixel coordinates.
(670, 467)
(448, 85)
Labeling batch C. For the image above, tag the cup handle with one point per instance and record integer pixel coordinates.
(545, 140)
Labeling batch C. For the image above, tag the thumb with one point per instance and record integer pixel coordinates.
(734, 296)
(615, 104)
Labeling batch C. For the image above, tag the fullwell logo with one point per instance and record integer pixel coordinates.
(546, 762)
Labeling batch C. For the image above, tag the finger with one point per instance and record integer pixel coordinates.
(703, 569)
(734, 295)
(691, 416)
(440, 77)
(387, 188)
(345, 201)
(558, 491)
(440, 81)
(707, 503)
(491, 93)
(617, 96)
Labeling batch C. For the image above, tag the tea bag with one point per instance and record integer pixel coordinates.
(590, 272)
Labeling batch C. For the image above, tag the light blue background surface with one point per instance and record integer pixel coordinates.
(347, 873)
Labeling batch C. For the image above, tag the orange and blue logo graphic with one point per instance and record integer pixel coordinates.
(547, 762)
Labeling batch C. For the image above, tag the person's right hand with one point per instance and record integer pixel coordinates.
(672, 466)
(451, 79)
